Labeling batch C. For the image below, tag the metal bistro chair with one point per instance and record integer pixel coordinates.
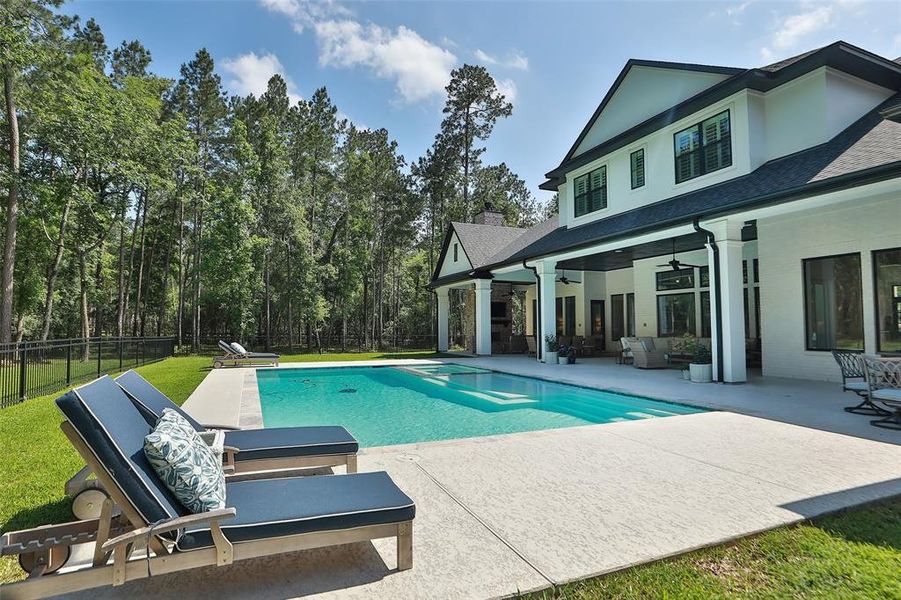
(854, 379)
(884, 383)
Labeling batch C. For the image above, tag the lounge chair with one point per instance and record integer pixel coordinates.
(236, 355)
(532, 346)
(884, 387)
(143, 529)
(854, 379)
(645, 355)
(625, 352)
(277, 451)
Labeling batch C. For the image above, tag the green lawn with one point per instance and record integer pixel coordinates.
(857, 554)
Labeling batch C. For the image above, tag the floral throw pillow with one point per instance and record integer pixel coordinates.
(185, 463)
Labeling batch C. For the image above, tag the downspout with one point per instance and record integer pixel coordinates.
(539, 343)
(711, 241)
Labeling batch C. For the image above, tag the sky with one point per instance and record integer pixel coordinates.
(385, 64)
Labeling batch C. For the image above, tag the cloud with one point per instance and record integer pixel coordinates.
(250, 74)
(793, 29)
(418, 67)
(514, 60)
(304, 14)
(507, 87)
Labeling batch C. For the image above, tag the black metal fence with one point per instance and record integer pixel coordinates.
(36, 368)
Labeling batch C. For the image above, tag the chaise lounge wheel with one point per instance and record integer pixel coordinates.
(55, 558)
(87, 503)
(217, 364)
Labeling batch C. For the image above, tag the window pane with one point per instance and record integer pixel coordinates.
(630, 315)
(675, 280)
(704, 274)
(705, 314)
(590, 192)
(597, 317)
(703, 148)
(570, 315)
(676, 314)
(637, 160)
(616, 317)
(834, 315)
(559, 314)
(887, 265)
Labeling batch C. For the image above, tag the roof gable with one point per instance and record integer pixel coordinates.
(479, 243)
(642, 90)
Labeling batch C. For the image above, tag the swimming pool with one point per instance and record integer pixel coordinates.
(389, 405)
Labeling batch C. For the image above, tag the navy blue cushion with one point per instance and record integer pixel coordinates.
(114, 430)
(292, 505)
(291, 441)
(149, 400)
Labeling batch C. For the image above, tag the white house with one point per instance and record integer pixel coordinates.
(776, 189)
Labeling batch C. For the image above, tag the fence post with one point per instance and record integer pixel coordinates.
(69, 362)
(121, 346)
(22, 372)
(99, 352)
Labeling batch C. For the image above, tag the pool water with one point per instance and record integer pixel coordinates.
(382, 406)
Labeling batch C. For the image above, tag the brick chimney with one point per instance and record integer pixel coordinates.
(489, 216)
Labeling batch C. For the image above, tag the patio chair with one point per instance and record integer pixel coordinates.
(236, 355)
(145, 530)
(645, 355)
(625, 353)
(854, 379)
(884, 387)
(532, 346)
(278, 451)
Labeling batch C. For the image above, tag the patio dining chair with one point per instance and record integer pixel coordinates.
(145, 530)
(884, 387)
(854, 379)
(532, 346)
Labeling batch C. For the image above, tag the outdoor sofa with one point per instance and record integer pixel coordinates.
(645, 354)
(144, 530)
(236, 355)
(277, 451)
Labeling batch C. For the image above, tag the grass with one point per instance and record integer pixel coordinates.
(856, 554)
(852, 555)
(38, 459)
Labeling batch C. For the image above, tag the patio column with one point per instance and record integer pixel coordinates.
(547, 307)
(728, 240)
(442, 296)
(483, 317)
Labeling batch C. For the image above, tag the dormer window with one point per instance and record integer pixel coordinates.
(456, 247)
(590, 191)
(703, 148)
(636, 161)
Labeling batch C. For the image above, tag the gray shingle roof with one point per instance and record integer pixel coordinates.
(481, 242)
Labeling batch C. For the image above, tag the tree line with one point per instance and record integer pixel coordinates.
(140, 205)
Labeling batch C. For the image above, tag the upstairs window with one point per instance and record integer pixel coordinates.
(591, 192)
(455, 253)
(636, 160)
(703, 148)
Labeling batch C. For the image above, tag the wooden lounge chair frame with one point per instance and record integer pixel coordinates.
(127, 548)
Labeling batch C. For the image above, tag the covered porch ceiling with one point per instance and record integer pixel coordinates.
(622, 258)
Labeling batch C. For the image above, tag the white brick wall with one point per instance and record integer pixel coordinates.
(861, 226)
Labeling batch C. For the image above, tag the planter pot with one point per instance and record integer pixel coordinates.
(550, 357)
(701, 373)
(563, 360)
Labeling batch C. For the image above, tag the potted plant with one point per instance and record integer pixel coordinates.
(701, 365)
(551, 346)
(566, 355)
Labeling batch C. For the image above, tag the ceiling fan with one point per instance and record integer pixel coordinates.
(566, 280)
(677, 265)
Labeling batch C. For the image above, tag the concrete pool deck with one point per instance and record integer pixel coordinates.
(513, 513)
